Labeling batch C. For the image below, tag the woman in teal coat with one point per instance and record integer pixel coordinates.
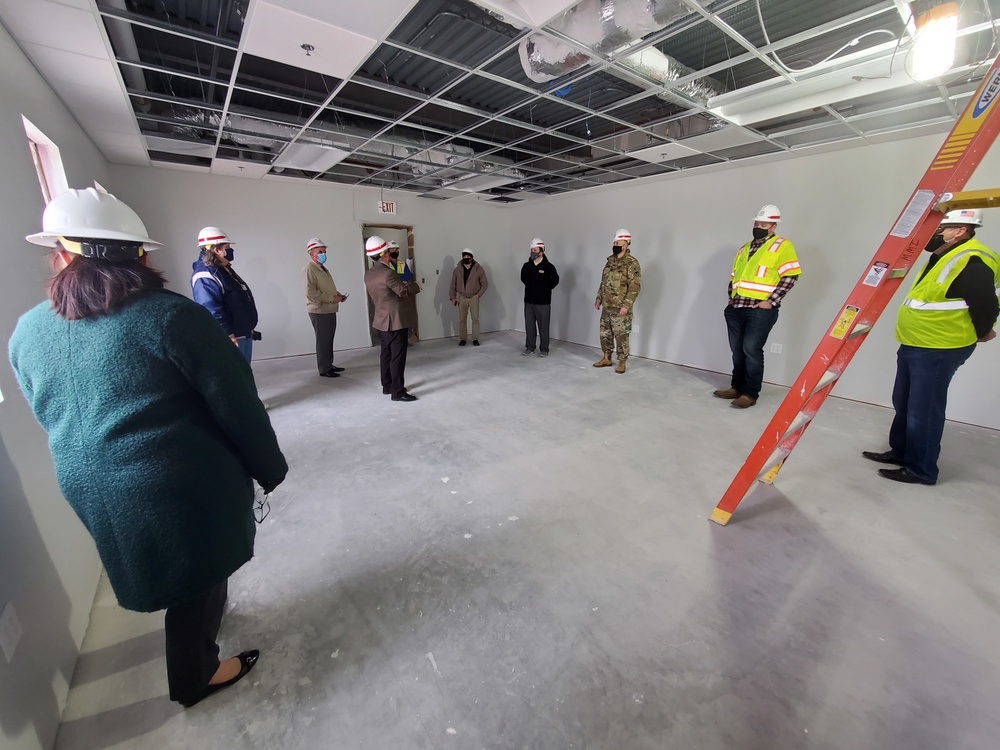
(155, 428)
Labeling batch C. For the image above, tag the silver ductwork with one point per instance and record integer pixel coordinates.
(605, 26)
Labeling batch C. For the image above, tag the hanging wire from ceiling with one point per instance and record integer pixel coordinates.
(853, 43)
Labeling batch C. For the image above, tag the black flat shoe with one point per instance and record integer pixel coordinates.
(902, 475)
(386, 391)
(883, 458)
(337, 369)
(330, 373)
(247, 660)
(404, 397)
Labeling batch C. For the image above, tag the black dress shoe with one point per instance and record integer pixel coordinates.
(902, 475)
(475, 342)
(883, 458)
(330, 374)
(386, 391)
(247, 660)
(462, 342)
(404, 397)
(337, 369)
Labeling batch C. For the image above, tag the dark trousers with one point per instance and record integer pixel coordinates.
(192, 652)
(919, 396)
(325, 326)
(393, 360)
(536, 316)
(748, 331)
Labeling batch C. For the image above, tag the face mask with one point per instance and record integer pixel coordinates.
(534, 256)
(394, 254)
(935, 243)
(467, 261)
(759, 233)
(615, 250)
(321, 257)
(229, 254)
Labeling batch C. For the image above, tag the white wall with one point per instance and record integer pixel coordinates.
(271, 220)
(48, 561)
(836, 207)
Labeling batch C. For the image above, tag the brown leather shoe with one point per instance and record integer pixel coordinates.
(621, 366)
(743, 402)
(606, 362)
(729, 394)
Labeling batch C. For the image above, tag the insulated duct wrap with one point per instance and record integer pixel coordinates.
(605, 26)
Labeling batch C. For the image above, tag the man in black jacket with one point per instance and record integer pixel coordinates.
(539, 278)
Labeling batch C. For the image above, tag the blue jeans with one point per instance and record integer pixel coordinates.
(919, 397)
(748, 331)
(245, 344)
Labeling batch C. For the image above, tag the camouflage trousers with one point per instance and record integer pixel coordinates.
(615, 328)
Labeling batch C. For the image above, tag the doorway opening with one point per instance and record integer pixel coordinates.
(402, 235)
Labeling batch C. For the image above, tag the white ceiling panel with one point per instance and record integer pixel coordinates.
(97, 109)
(121, 149)
(666, 152)
(74, 68)
(723, 138)
(278, 34)
(371, 19)
(232, 168)
(174, 146)
(54, 25)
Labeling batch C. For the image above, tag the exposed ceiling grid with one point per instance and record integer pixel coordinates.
(505, 99)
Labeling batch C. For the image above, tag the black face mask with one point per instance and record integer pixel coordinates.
(615, 249)
(934, 243)
(394, 254)
(533, 256)
(467, 262)
(759, 233)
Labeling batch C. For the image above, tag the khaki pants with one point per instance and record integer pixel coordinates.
(465, 306)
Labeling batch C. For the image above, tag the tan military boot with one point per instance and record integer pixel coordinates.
(743, 402)
(606, 362)
(728, 394)
(621, 366)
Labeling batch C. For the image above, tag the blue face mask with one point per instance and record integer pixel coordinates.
(321, 257)
(229, 254)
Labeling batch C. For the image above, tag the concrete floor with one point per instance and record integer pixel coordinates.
(521, 559)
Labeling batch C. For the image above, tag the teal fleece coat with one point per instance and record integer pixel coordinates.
(156, 430)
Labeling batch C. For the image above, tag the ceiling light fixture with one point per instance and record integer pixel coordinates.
(934, 45)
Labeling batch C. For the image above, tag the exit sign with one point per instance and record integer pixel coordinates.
(386, 207)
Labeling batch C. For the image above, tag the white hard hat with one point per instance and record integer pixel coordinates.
(769, 213)
(468, 252)
(314, 243)
(93, 215)
(537, 242)
(971, 216)
(213, 236)
(375, 245)
(623, 234)
(393, 245)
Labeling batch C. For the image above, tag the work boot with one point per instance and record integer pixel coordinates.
(606, 362)
(621, 366)
(729, 394)
(743, 402)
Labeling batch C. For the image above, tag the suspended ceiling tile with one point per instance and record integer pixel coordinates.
(74, 68)
(528, 12)
(97, 109)
(277, 34)
(174, 146)
(240, 168)
(371, 19)
(663, 152)
(48, 23)
(121, 149)
(723, 138)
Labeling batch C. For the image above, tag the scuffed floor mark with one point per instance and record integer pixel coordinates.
(511, 518)
(434, 666)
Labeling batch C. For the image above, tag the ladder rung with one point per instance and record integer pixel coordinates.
(773, 460)
(800, 421)
(828, 377)
(860, 330)
(898, 273)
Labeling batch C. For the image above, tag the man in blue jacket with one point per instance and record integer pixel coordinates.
(219, 289)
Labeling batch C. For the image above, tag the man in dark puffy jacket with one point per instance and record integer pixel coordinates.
(539, 278)
(219, 289)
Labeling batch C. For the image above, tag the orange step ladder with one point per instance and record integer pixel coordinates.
(958, 158)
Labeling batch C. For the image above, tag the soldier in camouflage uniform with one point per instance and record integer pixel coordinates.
(620, 284)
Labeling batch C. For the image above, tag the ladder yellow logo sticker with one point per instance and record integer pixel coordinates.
(844, 323)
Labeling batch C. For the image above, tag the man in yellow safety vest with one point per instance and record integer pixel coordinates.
(764, 270)
(951, 306)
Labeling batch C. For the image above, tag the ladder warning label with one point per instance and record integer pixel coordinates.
(875, 274)
(920, 202)
(844, 322)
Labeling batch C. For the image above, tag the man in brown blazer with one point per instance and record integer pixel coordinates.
(392, 318)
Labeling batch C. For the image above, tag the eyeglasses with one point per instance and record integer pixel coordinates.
(261, 504)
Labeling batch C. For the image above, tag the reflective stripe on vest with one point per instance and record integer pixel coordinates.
(756, 287)
(206, 275)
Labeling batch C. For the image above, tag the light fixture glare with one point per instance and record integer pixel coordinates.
(934, 45)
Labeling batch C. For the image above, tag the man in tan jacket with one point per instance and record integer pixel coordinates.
(392, 317)
(468, 284)
(322, 302)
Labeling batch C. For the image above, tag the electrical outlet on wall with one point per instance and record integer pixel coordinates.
(775, 348)
(10, 632)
